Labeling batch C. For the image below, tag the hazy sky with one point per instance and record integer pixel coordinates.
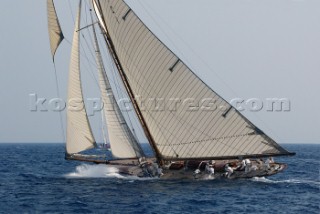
(241, 48)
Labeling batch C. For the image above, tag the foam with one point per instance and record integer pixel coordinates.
(292, 181)
(100, 171)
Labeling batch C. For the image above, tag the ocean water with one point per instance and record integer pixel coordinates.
(35, 178)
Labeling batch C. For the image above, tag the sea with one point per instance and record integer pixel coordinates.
(35, 178)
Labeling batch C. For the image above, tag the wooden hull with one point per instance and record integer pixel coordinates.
(186, 170)
(189, 174)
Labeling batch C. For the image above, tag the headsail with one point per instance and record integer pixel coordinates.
(55, 33)
(79, 134)
(123, 143)
(153, 71)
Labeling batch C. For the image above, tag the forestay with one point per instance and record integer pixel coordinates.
(154, 72)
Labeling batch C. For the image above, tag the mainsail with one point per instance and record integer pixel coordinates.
(79, 134)
(152, 71)
(123, 143)
(55, 33)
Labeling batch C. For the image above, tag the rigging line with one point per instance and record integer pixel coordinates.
(88, 46)
(89, 64)
(203, 61)
(68, 41)
(85, 9)
(88, 32)
(89, 69)
(58, 93)
(71, 12)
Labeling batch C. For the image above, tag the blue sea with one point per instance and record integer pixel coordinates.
(35, 178)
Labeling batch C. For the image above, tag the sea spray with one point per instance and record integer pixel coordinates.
(101, 171)
(94, 171)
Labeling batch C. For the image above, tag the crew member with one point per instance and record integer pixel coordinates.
(210, 167)
(248, 165)
(228, 170)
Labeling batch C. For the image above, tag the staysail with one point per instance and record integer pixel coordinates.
(55, 32)
(79, 134)
(123, 143)
(152, 71)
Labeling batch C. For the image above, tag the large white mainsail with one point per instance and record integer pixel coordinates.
(151, 70)
(79, 134)
(55, 33)
(123, 143)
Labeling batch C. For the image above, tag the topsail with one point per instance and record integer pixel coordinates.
(55, 33)
(153, 71)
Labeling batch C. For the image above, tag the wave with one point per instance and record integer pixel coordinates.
(100, 171)
(292, 181)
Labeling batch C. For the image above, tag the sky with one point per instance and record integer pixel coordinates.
(243, 49)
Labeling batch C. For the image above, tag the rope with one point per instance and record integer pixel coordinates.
(58, 93)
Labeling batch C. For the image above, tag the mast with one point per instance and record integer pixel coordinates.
(119, 66)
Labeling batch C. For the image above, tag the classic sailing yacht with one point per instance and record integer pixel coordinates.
(186, 144)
